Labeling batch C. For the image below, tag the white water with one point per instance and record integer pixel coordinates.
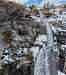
(41, 65)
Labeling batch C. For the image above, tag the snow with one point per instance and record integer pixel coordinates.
(55, 48)
(18, 38)
(20, 26)
(59, 29)
(60, 73)
(41, 56)
(28, 9)
(53, 29)
(6, 51)
(51, 20)
(42, 62)
(17, 58)
(63, 46)
(25, 50)
(38, 20)
(58, 17)
(10, 60)
(26, 62)
(35, 50)
(63, 30)
(34, 17)
(64, 16)
(19, 51)
(6, 57)
(41, 38)
(6, 62)
(55, 38)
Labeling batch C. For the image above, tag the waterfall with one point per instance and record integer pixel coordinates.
(45, 62)
(41, 65)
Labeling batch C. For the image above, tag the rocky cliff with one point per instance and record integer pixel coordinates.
(17, 18)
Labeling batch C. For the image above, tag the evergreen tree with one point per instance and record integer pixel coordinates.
(8, 37)
(44, 7)
(47, 4)
(52, 6)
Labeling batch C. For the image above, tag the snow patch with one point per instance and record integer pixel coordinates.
(60, 73)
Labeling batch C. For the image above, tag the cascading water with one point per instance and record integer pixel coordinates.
(41, 65)
(45, 63)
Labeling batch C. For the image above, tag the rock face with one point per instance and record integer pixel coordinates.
(1, 1)
(17, 17)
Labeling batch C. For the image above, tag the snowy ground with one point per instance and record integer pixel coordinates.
(60, 73)
(39, 40)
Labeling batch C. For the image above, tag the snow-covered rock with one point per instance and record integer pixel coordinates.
(60, 73)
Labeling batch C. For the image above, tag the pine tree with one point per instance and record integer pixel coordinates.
(44, 7)
(52, 6)
(8, 37)
(47, 4)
